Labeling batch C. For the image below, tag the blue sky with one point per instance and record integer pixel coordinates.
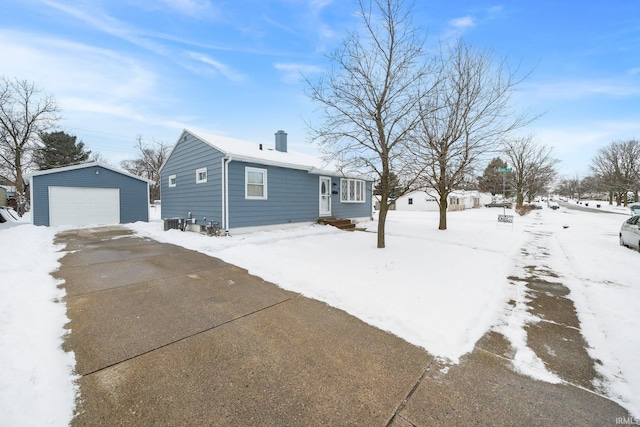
(153, 67)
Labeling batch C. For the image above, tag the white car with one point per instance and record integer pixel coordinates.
(630, 232)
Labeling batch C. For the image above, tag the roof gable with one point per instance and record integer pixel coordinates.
(240, 150)
(259, 153)
(86, 165)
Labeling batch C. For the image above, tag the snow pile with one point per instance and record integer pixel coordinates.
(9, 218)
(36, 381)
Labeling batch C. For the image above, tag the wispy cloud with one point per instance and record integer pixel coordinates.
(457, 27)
(294, 73)
(217, 66)
(193, 8)
(581, 88)
(462, 23)
(101, 21)
(76, 67)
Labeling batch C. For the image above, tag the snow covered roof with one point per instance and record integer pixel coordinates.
(245, 151)
(85, 165)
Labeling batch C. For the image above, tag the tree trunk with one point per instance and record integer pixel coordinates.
(443, 212)
(382, 220)
(19, 180)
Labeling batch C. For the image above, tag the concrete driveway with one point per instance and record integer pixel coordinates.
(167, 336)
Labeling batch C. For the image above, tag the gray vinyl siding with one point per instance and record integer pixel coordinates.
(351, 210)
(202, 200)
(292, 196)
(134, 197)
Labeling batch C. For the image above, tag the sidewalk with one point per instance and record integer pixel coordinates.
(167, 336)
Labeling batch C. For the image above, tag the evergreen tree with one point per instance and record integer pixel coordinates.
(491, 179)
(395, 189)
(59, 149)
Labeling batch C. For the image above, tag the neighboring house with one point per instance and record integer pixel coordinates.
(244, 186)
(417, 201)
(460, 200)
(428, 201)
(88, 194)
(10, 195)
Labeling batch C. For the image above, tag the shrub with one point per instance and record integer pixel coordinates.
(523, 210)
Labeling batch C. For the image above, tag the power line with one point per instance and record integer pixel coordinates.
(99, 132)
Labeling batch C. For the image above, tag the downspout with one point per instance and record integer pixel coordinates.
(225, 211)
(223, 191)
(149, 201)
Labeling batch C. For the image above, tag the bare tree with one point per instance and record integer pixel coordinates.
(571, 187)
(369, 98)
(98, 157)
(617, 167)
(533, 167)
(464, 118)
(147, 164)
(24, 114)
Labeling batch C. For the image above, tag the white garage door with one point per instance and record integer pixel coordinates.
(83, 206)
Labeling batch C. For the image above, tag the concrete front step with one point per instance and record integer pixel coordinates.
(342, 224)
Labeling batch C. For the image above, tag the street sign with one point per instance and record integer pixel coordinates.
(504, 169)
(505, 218)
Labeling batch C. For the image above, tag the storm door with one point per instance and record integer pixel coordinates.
(325, 196)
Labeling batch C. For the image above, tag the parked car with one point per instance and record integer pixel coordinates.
(635, 208)
(7, 214)
(554, 205)
(630, 232)
(535, 206)
(499, 204)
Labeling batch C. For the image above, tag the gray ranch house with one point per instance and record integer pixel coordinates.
(245, 187)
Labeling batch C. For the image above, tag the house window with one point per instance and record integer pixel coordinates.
(410, 200)
(255, 183)
(352, 190)
(172, 180)
(201, 175)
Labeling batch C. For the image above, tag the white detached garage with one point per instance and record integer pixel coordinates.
(88, 194)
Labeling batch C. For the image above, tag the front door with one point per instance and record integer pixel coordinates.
(325, 196)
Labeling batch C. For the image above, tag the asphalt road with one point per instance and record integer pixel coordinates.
(575, 206)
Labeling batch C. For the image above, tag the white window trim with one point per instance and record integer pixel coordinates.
(246, 183)
(358, 182)
(175, 180)
(198, 172)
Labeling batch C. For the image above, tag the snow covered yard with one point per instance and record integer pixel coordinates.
(36, 379)
(441, 290)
